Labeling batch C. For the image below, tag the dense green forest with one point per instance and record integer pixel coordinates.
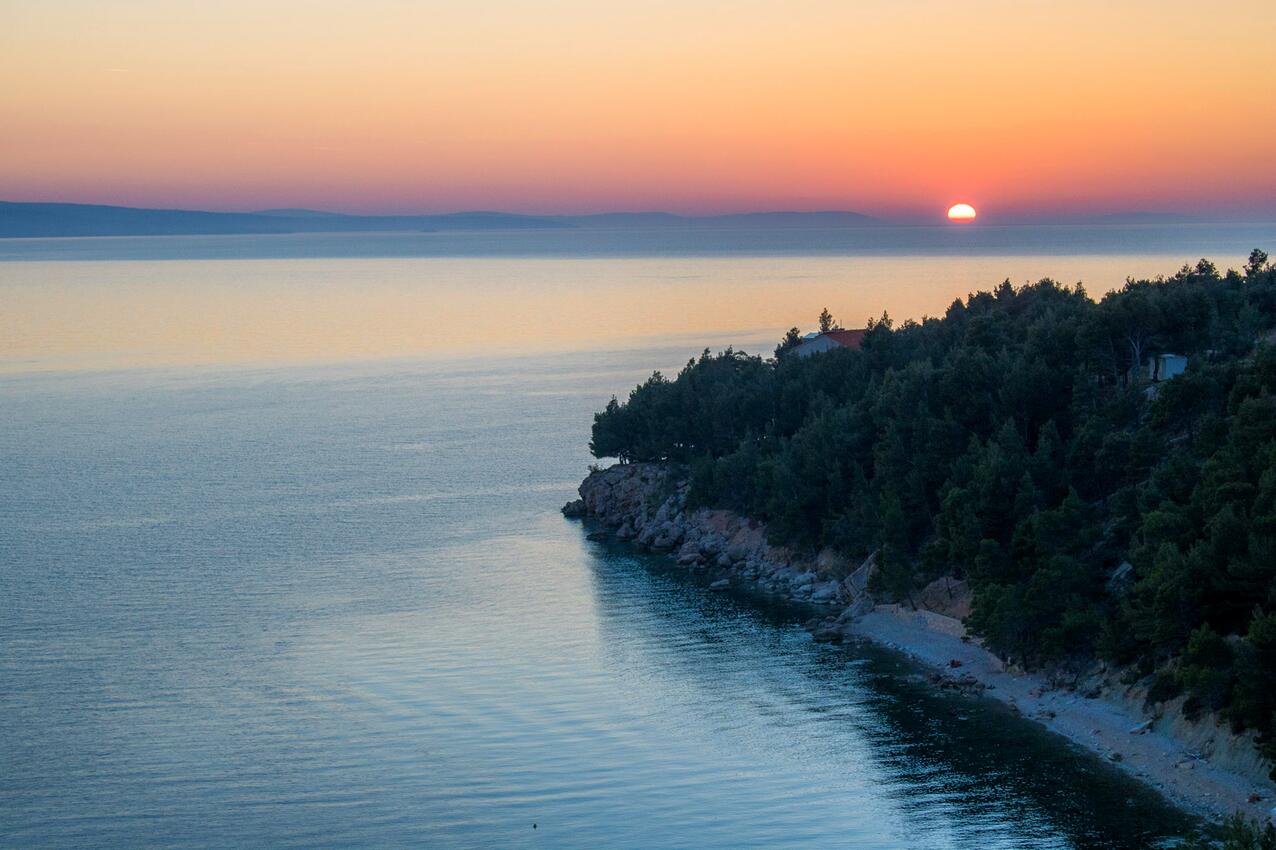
(1018, 443)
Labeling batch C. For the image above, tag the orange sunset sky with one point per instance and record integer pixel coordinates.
(890, 108)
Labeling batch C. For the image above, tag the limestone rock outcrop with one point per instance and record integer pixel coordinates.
(647, 503)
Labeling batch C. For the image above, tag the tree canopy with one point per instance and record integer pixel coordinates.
(1016, 442)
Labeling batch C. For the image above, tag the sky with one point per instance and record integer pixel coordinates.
(895, 108)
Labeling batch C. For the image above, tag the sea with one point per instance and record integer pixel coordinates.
(281, 561)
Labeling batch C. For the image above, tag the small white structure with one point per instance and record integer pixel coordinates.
(1166, 366)
(818, 343)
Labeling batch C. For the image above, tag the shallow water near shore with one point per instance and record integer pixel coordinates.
(336, 605)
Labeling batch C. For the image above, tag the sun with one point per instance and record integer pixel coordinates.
(961, 212)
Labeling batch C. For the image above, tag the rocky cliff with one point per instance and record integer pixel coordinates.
(647, 504)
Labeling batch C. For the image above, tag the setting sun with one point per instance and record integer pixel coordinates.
(961, 212)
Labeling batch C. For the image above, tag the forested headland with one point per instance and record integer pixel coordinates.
(1019, 443)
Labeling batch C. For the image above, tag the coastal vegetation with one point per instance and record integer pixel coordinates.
(1020, 443)
(1242, 834)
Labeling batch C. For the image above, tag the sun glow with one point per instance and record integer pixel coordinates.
(575, 106)
(961, 212)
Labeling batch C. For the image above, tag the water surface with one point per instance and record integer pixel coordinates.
(337, 606)
(281, 563)
(108, 303)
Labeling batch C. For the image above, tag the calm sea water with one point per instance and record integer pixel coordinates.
(334, 604)
(125, 302)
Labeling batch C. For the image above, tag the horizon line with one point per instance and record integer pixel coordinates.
(915, 218)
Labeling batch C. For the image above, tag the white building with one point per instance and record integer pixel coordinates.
(1166, 366)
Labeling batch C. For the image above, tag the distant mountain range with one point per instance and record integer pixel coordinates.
(43, 220)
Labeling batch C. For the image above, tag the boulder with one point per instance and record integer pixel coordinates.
(711, 543)
(948, 596)
(575, 509)
(860, 606)
(649, 532)
(689, 554)
(829, 563)
(667, 536)
(857, 582)
(826, 592)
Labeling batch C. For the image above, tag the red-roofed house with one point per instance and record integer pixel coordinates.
(829, 340)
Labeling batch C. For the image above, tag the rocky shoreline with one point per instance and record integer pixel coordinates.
(645, 503)
(1200, 767)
